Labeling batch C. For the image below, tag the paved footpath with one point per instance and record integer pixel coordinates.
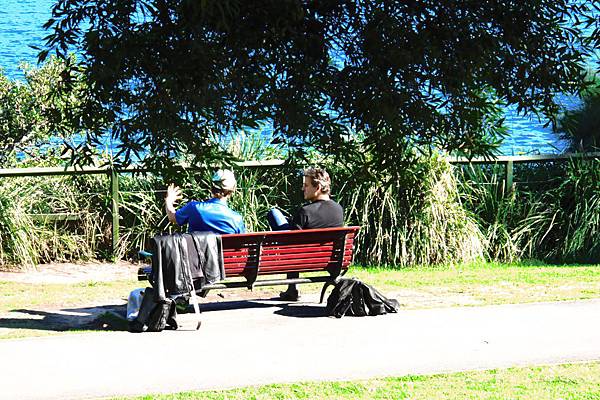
(259, 342)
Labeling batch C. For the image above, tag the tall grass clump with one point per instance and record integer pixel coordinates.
(16, 231)
(141, 213)
(414, 219)
(564, 221)
(429, 213)
(550, 214)
(26, 240)
(495, 207)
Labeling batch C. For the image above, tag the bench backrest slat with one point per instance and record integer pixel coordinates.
(288, 251)
(283, 250)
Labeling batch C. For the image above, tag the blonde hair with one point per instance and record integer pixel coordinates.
(318, 176)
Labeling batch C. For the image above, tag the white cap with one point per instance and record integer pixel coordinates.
(224, 179)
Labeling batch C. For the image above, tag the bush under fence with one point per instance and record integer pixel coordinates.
(445, 211)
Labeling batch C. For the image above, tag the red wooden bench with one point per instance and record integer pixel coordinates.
(261, 254)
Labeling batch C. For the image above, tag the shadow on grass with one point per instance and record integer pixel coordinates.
(102, 318)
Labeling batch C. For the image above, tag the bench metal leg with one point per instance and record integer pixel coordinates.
(332, 282)
(323, 291)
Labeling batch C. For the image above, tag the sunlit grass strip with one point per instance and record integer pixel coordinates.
(484, 284)
(567, 381)
(482, 273)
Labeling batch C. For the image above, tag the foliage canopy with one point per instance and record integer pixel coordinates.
(33, 110)
(366, 80)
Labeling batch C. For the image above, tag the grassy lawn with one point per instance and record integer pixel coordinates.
(484, 283)
(426, 287)
(568, 381)
(31, 309)
(16, 295)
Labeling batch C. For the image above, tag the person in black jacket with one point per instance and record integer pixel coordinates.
(320, 212)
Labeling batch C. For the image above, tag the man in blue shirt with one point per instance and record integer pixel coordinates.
(213, 215)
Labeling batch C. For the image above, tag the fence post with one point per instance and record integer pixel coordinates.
(508, 181)
(114, 194)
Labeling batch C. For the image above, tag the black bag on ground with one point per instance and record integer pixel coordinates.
(154, 316)
(353, 297)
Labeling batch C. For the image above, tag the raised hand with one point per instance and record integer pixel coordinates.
(173, 194)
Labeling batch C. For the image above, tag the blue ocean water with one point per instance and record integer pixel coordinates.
(21, 27)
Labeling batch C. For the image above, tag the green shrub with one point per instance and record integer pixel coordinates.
(415, 219)
(563, 222)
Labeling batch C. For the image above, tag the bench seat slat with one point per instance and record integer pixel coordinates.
(303, 266)
(276, 255)
(319, 233)
(253, 246)
(293, 238)
(289, 269)
(295, 242)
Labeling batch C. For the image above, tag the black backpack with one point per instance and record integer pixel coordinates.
(154, 316)
(353, 297)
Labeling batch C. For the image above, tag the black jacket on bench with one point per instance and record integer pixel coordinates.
(179, 258)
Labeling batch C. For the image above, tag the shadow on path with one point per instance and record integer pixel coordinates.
(111, 317)
(292, 309)
(108, 317)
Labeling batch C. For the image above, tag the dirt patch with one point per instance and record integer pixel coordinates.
(74, 273)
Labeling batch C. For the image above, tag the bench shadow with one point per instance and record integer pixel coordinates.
(301, 310)
(101, 318)
(292, 309)
(231, 305)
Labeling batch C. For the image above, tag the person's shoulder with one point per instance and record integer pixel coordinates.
(203, 203)
(234, 214)
(331, 203)
(307, 205)
(237, 215)
(336, 204)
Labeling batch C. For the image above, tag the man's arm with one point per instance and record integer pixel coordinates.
(173, 194)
